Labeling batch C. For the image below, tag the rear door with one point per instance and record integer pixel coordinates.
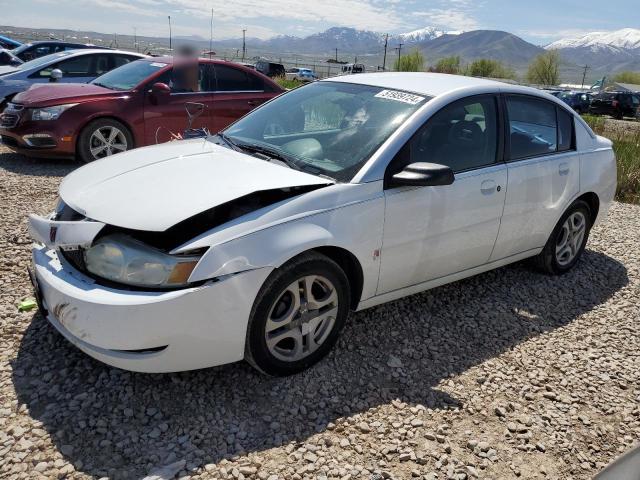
(543, 173)
(166, 117)
(237, 92)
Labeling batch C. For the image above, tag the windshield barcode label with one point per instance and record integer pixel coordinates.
(400, 96)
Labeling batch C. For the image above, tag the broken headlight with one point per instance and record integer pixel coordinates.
(122, 259)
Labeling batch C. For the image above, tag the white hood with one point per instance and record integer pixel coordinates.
(153, 188)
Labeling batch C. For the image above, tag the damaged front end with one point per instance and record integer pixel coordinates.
(132, 259)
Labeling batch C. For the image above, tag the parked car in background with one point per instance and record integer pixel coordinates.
(33, 50)
(350, 68)
(270, 69)
(76, 66)
(579, 101)
(301, 74)
(339, 195)
(140, 103)
(8, 58)
(616, 104)
(8, 43)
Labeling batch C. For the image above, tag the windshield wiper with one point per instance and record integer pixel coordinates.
(228, 141)
(272, 153)
(101, 85)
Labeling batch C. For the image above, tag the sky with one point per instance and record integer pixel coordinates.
(538, 21)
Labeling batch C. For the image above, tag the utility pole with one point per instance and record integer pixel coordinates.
(584, 75)
(170, 48)
(135, 38)
(244, 43)
(399, 49)
(211, 36)
(384, 59)
(336, 55)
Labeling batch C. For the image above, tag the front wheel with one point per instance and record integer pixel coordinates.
(298, 315)
(102, 138)
(567, 241)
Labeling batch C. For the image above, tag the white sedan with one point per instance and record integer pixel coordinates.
(344, 194)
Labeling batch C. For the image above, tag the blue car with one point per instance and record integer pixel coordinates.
(579, 101)
(74, 66)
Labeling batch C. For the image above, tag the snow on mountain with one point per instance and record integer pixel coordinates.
(625, 39)
(422, 34)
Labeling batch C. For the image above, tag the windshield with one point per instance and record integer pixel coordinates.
(328, 128)
(41, 61)
(129, 75)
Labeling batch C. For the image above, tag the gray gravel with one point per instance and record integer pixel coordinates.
(507, 374)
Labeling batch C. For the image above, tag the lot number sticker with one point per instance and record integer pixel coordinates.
(400, 96)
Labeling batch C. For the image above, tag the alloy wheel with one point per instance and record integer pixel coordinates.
(106, 141)
(570, 238)
(301, 318)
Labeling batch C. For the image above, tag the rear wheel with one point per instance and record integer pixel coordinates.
(298, 315)
(102, 138)
(567, 241)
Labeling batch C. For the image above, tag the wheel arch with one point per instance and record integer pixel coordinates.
(351, 267)
(593, 201)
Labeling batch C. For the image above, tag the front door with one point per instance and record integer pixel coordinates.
(165, 116)
(431, 232)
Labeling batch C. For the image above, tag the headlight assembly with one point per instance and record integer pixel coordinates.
(50, 113)
(122, 259)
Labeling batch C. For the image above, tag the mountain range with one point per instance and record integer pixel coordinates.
(603, 52)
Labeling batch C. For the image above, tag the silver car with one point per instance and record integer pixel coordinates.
(73, 66)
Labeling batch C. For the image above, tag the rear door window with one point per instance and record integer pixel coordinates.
(537, 127)
(230, 79)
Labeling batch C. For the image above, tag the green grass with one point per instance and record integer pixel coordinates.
(288, 84)
(626, 145)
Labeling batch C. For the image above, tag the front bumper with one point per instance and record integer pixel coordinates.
(40, 139)
(148, 331)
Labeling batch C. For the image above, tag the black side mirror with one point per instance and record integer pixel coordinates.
(422, 174)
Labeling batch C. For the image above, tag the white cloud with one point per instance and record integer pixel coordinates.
(451, 19)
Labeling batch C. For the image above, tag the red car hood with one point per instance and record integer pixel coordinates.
(43, 95)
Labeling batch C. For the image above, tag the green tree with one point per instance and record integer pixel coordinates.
(411, 62)
(485, 67)
(627, 77)
(545, 69)
(448, 65)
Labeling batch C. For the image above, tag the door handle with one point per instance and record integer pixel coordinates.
(563, 169)
(488, 187)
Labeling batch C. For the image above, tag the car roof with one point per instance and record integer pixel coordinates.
(432, 84)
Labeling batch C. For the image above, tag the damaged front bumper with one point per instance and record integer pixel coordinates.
(144, 331)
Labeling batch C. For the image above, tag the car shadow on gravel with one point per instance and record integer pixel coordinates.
(111, 422)
(21, 165)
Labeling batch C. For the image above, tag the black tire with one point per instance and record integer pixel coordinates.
(100, 124)
(547, 261)
(274, 290)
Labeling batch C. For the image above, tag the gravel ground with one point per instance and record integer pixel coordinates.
(507, 374)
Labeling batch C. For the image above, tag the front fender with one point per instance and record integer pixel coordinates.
(266, 248)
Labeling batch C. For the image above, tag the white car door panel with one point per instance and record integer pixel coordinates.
(538, 192)
(430, 232)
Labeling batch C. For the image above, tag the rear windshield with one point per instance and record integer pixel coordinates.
(129, 75)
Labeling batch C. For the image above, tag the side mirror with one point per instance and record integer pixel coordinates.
(422, 174)
(56, 74)
(160, 89)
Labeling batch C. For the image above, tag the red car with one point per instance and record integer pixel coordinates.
(140, 103)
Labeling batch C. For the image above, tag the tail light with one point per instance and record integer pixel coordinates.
(615, 104)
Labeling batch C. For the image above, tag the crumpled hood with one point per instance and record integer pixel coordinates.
(153, 188)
